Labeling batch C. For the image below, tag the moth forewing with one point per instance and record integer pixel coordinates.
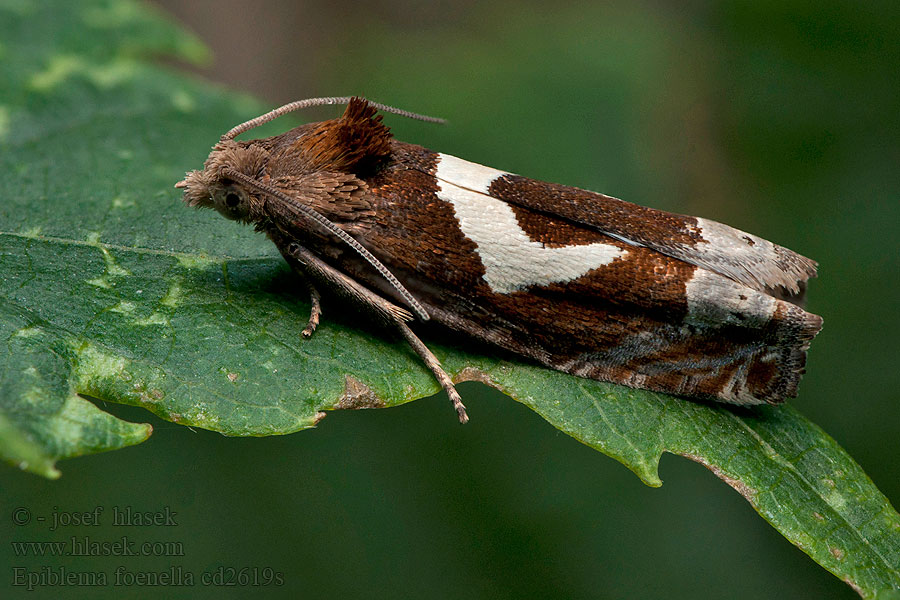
(575, 280)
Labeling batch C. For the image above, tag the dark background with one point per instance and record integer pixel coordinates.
(779, 118)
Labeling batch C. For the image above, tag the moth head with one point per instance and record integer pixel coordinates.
(214, 188)
(302, 167)
(231, 201)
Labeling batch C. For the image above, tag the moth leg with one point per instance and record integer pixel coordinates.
(434, 364)
(315, 311)
(315, 301)
(310, 265)
(313, 267)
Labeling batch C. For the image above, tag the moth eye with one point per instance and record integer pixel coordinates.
(232, 203)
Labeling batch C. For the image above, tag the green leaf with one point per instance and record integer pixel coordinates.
(792, 473)
(110, 288)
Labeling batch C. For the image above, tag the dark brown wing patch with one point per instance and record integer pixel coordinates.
(355, 143)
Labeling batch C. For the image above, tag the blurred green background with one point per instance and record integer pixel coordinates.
(779, 118)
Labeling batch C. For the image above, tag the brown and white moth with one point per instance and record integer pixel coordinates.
(575, 280)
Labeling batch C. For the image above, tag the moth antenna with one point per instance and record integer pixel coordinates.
(301, 104)
(332, 228)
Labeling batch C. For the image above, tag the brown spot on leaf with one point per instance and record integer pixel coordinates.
(742, 488)
(854, 585)
(473, 374)
(357, 395)
(837, 553)
(232, 377)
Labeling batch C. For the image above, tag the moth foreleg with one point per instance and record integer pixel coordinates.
(315, 302)
(312, 267)
(315, 311)
(309, 265)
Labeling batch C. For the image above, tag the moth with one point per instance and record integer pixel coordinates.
(575, 280)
